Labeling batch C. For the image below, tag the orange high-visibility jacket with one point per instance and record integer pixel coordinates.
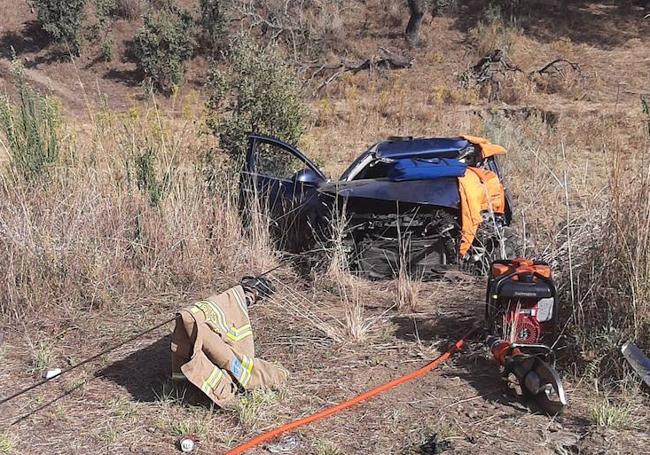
(212, 347)
(480, 191)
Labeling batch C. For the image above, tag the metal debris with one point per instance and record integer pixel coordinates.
(51, 373)
(187, 443)
(637, 360)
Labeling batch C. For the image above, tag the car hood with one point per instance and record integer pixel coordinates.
(440, 192)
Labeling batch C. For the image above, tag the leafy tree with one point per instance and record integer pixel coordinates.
(163, 46)
(62, 20)
(260, 93)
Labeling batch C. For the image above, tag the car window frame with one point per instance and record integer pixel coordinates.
(251, 164)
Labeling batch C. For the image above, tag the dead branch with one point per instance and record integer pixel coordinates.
(385, 60)
(488, 68)
(555, 66)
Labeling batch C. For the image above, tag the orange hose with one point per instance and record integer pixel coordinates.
(347, 404)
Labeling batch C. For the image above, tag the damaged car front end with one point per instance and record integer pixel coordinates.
(423, 205)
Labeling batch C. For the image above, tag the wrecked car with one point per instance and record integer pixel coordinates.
(422, 205)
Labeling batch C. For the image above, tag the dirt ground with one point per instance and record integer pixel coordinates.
(130, 406)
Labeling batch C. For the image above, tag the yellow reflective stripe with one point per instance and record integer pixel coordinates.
(212, 381)
(216, 318)
(245, 379)
(214, 377)
(240, 336)
(247, 363)
(247, 369)
(240, 300)
(243, 328)
(213, 314)
(219, 314)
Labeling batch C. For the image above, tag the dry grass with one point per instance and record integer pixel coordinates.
(42, 356)
(408, 290)
(255, 407)
(128, 224)
(616, 412)
(6, 444)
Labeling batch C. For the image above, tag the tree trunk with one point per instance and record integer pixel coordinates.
(416, 7)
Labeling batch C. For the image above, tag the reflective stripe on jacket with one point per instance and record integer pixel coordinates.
(212, 347)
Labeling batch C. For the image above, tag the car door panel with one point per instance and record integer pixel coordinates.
(281, 181)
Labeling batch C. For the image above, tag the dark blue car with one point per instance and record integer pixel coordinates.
(398, 205)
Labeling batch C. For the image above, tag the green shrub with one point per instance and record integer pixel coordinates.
(163, 46)
(213, 22)
(260, 93)
(129, 9)
(105, 10)
(62, 20)
(31, 126)
(106, 49)
(148, 178)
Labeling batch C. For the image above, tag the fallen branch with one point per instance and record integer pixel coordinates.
(554, 66)
(383, 60)
(487, 67)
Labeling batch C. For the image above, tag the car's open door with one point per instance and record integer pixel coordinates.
(280, 181)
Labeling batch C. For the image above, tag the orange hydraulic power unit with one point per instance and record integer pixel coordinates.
(521, 301)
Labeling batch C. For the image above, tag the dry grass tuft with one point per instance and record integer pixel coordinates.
(606, 413)
(408, 291)
(255, 407)
(6, 444)
(327, 448)
(42, 355)
(497, 34)
(356, 324)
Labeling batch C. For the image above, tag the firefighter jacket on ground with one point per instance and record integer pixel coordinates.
(212, 347)
(480, 191)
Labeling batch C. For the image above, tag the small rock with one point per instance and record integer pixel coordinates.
(433, 446)
(286, 444)
(563, 439)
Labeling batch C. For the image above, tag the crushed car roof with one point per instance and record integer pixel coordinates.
(421, 147)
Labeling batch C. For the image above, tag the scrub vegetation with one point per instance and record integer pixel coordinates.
(119, 204)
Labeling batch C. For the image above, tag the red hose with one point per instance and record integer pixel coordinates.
(349, 403)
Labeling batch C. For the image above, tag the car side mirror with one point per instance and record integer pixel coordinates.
(307, 177)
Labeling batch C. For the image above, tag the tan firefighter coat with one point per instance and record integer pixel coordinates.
(212, 347)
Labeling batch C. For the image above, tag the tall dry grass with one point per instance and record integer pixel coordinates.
(582, 199)
(618, 305)
(130, 212)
